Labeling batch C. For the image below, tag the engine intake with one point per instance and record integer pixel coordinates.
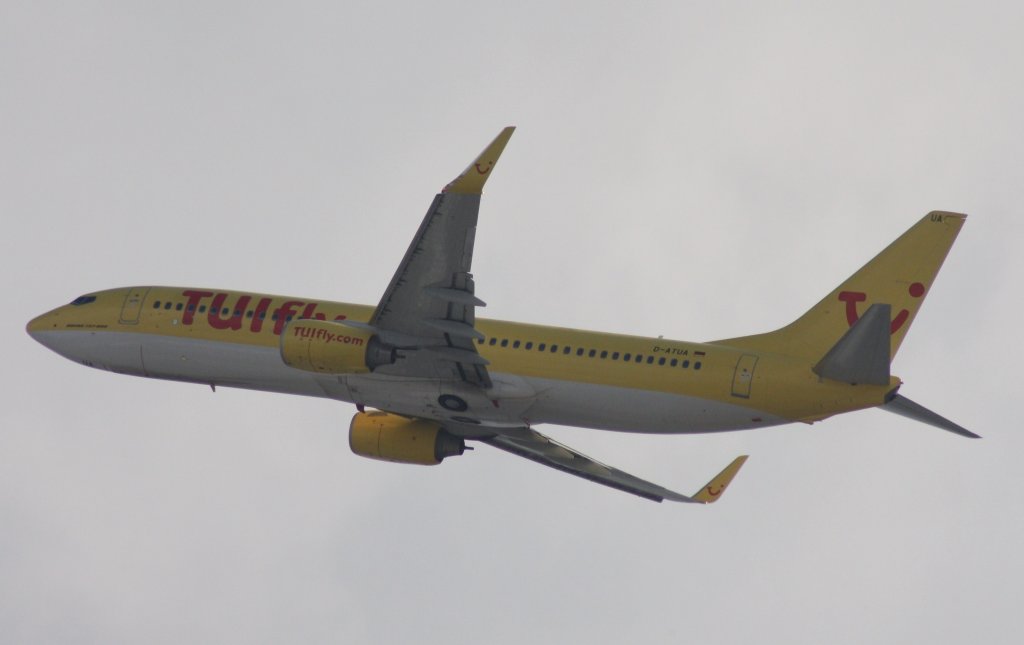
(389, 437)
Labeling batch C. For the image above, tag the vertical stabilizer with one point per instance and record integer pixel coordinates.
(900, 276)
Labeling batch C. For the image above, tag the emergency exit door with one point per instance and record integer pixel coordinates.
(133, 305)
(743, 377)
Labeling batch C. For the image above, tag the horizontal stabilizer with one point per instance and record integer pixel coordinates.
(862, 355)
(903, 406)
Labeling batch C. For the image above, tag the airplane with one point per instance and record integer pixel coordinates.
(426, 375)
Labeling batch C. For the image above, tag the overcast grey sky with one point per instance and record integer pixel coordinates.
(698, 170)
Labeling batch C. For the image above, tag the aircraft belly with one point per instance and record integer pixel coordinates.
(514, 400)
(606, 407)
(192, 360)
(226, 364)
(121, 353)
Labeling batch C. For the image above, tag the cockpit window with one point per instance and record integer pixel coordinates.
(83, 300)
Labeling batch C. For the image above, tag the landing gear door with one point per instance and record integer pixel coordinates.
(133, 305)
(743, 377)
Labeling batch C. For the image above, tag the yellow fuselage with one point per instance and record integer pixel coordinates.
(542, 374)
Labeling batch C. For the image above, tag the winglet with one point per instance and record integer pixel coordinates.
(714, 488)
(473, 178)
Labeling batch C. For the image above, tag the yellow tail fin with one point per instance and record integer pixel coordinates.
(900, 276)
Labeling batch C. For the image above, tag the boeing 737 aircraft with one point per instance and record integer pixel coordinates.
(433, 375)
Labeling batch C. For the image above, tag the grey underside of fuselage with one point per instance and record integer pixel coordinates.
(527, 401)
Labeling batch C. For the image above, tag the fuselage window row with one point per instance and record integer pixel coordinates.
(593, 353)
(237, 313)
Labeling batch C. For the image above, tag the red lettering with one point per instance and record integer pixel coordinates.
(259, 313)
(310, 312)
(898, 321)
(234, 319)
(193, 303)
(282, 313)
(851, 298)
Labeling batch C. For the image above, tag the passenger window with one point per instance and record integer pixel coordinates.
(604, 354)
(592, 353)
(274, 316)
(615, 356)
(639, 358)
(661, 361)
(156, 305)
(179, 306)
(696, 365)
(686, 364)
(263, 314)
(554, 348)
(579, 352)
(567, 350)
(627, 356)
(202, 309)
(540, 348)
(504, 342)
(191, 307)
(248, 314)
(529, 344)
(674, 362)
(493, 341)
(224, 312)
(515, 344)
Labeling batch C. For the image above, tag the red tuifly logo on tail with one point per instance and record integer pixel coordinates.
(851, 298)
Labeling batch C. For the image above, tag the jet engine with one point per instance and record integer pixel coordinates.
(389, 437)
(325, 347)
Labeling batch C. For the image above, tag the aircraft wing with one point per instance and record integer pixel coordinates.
(537, 447)
(428, 310)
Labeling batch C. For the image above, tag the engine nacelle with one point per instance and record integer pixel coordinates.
(389, 437)
(325, 347)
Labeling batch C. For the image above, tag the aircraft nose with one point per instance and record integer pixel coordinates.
(42, 323)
